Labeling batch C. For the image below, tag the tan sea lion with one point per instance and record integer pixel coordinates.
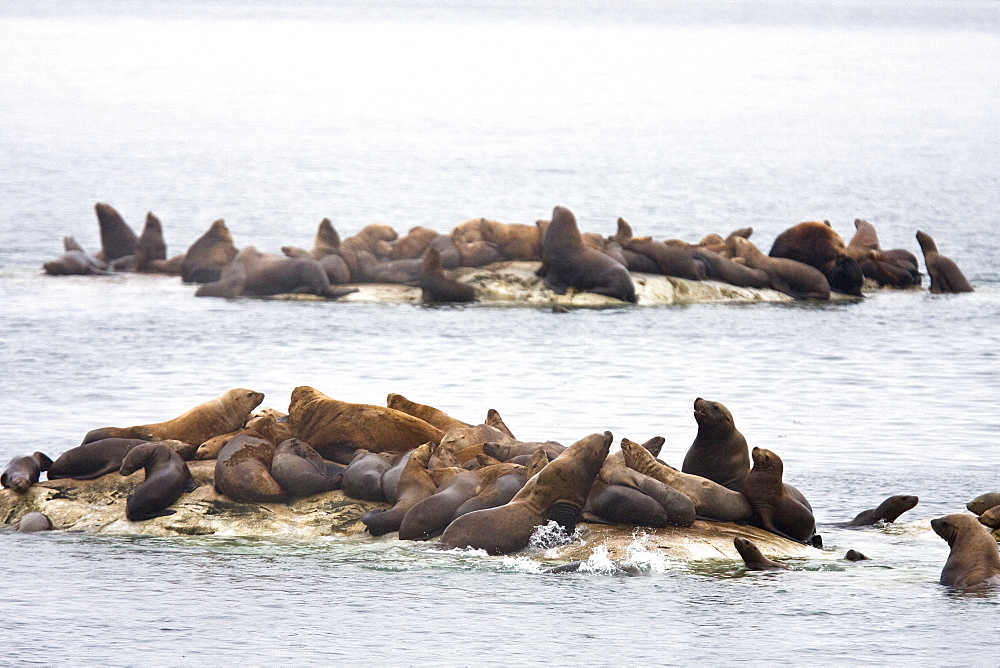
(974, 560)
(415, 484)
(428, 414)
(818, 245)
(719, 451)
(117, 238)
(983, 502)
(945, 275)
(558, 492)
(413, 244)
(775, 508)
(991, 518)
(225, 413)
(258, 425)
(460, 438)
(677, 261)
(753, 557)
(23, 472)
(329, 424)
(374, 239)
(792, 277)
(167, 477)
(508, 450)
(436, 287)
(209, 255)
(887, 511)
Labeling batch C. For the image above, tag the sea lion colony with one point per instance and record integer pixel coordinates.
(474, 485)
(806, 261)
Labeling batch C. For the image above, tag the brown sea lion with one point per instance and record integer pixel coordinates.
(441, 458)
(499, 487)
(677, 261)
(509, 450)
(243, 471)
(415, 484)
(974, 560)
(753, 557)
(370, 269)
(413, 244)
(93, 459)
(257, 425)
(458, 439)
(267, 274)
(150, 248)
(983, 502)
(991, 518)
(167, 477)
(117, 238)
(374, 239)
(209, 255)
(634, 260)
(897, 268)
(436, 287)
(23, 472)
(711, 500)
(326, 423)
(326, 251)
(428, 414)
(390, 479)
(558, 492)
(721, 268)
(33, 522)
(567, 263)
(854, 555)
(818, 245)
(300, 470)
(719, 451)
(775, 508)
(945, 275)
(475, 253)
(225, 413)
(792, 277)
(887, 511)
(363, 476)
(75, 263)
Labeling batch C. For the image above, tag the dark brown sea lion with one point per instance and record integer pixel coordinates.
(499, 487)
(23, 472)
(854, 555)
(721, 268)
(243, 471)
(435, 287)
(300, 470)
(775, 508)
(370, 269)
(265, 274)
(897, 267)
(887, 511)
(719, 451)
(559, 492)
(617, 504)
(428, 414)
(753, 557)
(117, 238)
(225, 413)
(390, 479)
(567, 263)
(475, 253)
(792, 277)
(150, 248)
(415, 484)
(326, 423)
(92, 460)
(818, 245)
(634, 260)
(33, 522)
(209, 255)
(167, 477)
(983, 502)
(677, 261)
(363, 476)
(974, 560)
(711, 500)
(326, 251)
(945, 275)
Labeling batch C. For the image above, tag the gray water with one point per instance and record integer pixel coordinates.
(685, 118)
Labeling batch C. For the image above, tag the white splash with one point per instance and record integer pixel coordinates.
(551, 535)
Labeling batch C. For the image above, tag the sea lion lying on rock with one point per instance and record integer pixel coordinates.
(792, 277)
(117, 238)
(263, 274)
(818, 245)
(93, 459)
(167, 477)
(428, 414)
(775, 508)
(209, 255)
(23, 472)
(300, 470)
(415, 484)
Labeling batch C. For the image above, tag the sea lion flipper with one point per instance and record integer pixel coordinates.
(191, 485)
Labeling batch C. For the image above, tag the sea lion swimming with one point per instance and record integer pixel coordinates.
(719, 451)
(974, 560)
(167, 477)
(753, 557)
(775, 508)
(33, 522)
(23, 472)
(558, 492)
(887, 511)
(945, 275)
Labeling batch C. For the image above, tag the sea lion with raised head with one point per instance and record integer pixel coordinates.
(775, 508)
(150, 248)
(558, 492)
(436, 287)
(945, 275)
(117, 238)
(897, 267)
(818, 245)
(428, 414)
(974, 560)
(887, 511)
(167, 477)
(415, 484)
(791, 277)
(209, 255)
(300, 470)
(567, 263)
(854, 555)
(23, 472)
(326, 423)
(991, 518)
(753, 557)
(719, 451)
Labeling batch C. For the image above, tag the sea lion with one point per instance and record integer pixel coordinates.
(415, 484)
(300, 470)
(265, 274)
(719, 451)
(500, 487)
(991, 518)
(209, 255)
(617, 504)
(428, 414)
(887, 511)
(983, 502)
(463, 437)
(150, 248)
(718, 267)
(753, 557)
(93, 459)
(508, 451)
(677, 261)
(390, 479)
(792, 277)
(435, 287)
(441, 458)
(263, 424)
(33, 522)
(326, 423)
(167, 477)
(243, 471)
(711, 500)
(634, 261)
(326, 251)
(818, 245)
(616, 567)
(854, 555)
(23, 472)
(413, 244)
(363, 476)
(775, 508)
(558, 492)
(117, 238)
(567, 263)
(897, 267)
(374, 239)
(75, 263)
(946, 277)
(974, 560)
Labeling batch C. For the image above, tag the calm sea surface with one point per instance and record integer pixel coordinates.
(685, 118)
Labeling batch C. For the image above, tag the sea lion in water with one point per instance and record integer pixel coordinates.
(567, 263)
(33, 522)
(243, 471)
(983, 502)
(974, 560)
(92, 460)
(792, 277)
(209, 255)
(326, 423)
(23, 472)
(559, 492)
(775, 508)
(428, 414)
(167, 477)
(435, 287)
(117, 238)
(753, 557)
(818, 245)
(300, 470)
(415, 484)
(945, 275)
(225, 413)
(711, 500)
(887, 511)
(854, 555)
(719, 451)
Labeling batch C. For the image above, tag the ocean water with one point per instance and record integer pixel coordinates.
(684, 118)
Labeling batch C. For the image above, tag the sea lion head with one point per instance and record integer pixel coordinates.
(847, 276)
(895, 506)
(713, 416)
(765, 460)
(950, 526)
(927, 244)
